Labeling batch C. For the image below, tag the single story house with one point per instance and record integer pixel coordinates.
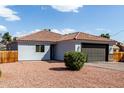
(47, 45)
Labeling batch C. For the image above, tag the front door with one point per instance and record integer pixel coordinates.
(52, 52)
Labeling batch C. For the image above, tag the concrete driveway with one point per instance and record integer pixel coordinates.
(110, 65)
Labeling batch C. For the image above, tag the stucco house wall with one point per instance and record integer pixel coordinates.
(65, 46)
(27, 51)
(62, 47)
(72, 45)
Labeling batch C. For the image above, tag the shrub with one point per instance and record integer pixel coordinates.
(75, 60)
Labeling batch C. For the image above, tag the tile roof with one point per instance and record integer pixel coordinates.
(41, 36)
(83, 36)
(51, 36)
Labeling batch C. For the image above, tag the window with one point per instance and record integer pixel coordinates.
(40, 48)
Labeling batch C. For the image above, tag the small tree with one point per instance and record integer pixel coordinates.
(6, 38)
(105, 35)
(14, 38)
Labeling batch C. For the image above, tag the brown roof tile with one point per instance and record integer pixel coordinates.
(41, 36)
(69, 36)
(83, 36)
(51, 36)
(86, 36)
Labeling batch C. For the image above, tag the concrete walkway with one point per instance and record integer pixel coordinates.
(110, 65)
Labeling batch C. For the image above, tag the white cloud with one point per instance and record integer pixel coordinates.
(3, 28)
(23, 33)
(67, 8)
(8, 14)
(63, 31)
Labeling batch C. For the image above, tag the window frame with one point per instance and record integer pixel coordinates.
(40, 48)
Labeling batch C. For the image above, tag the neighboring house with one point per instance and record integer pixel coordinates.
(46, 45)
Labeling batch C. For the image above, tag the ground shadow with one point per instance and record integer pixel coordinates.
(59, 69)
(55, 61)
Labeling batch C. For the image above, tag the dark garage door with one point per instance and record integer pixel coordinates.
(96, 52)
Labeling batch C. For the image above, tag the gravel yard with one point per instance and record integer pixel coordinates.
(45, 74)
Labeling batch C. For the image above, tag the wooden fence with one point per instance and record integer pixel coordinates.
(118, 56)
(8, 56)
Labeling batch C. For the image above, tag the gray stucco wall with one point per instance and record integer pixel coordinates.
(62, 47)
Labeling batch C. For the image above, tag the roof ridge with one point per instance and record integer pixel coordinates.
(38, 32)
(70, 33)
(28, 34)
(94, 35)
(76, 36)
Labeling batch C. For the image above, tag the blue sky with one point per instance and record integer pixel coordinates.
(22, 20)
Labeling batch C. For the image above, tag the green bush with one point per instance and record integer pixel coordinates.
(75, 60)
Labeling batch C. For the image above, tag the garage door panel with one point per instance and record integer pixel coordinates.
(97, 53)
